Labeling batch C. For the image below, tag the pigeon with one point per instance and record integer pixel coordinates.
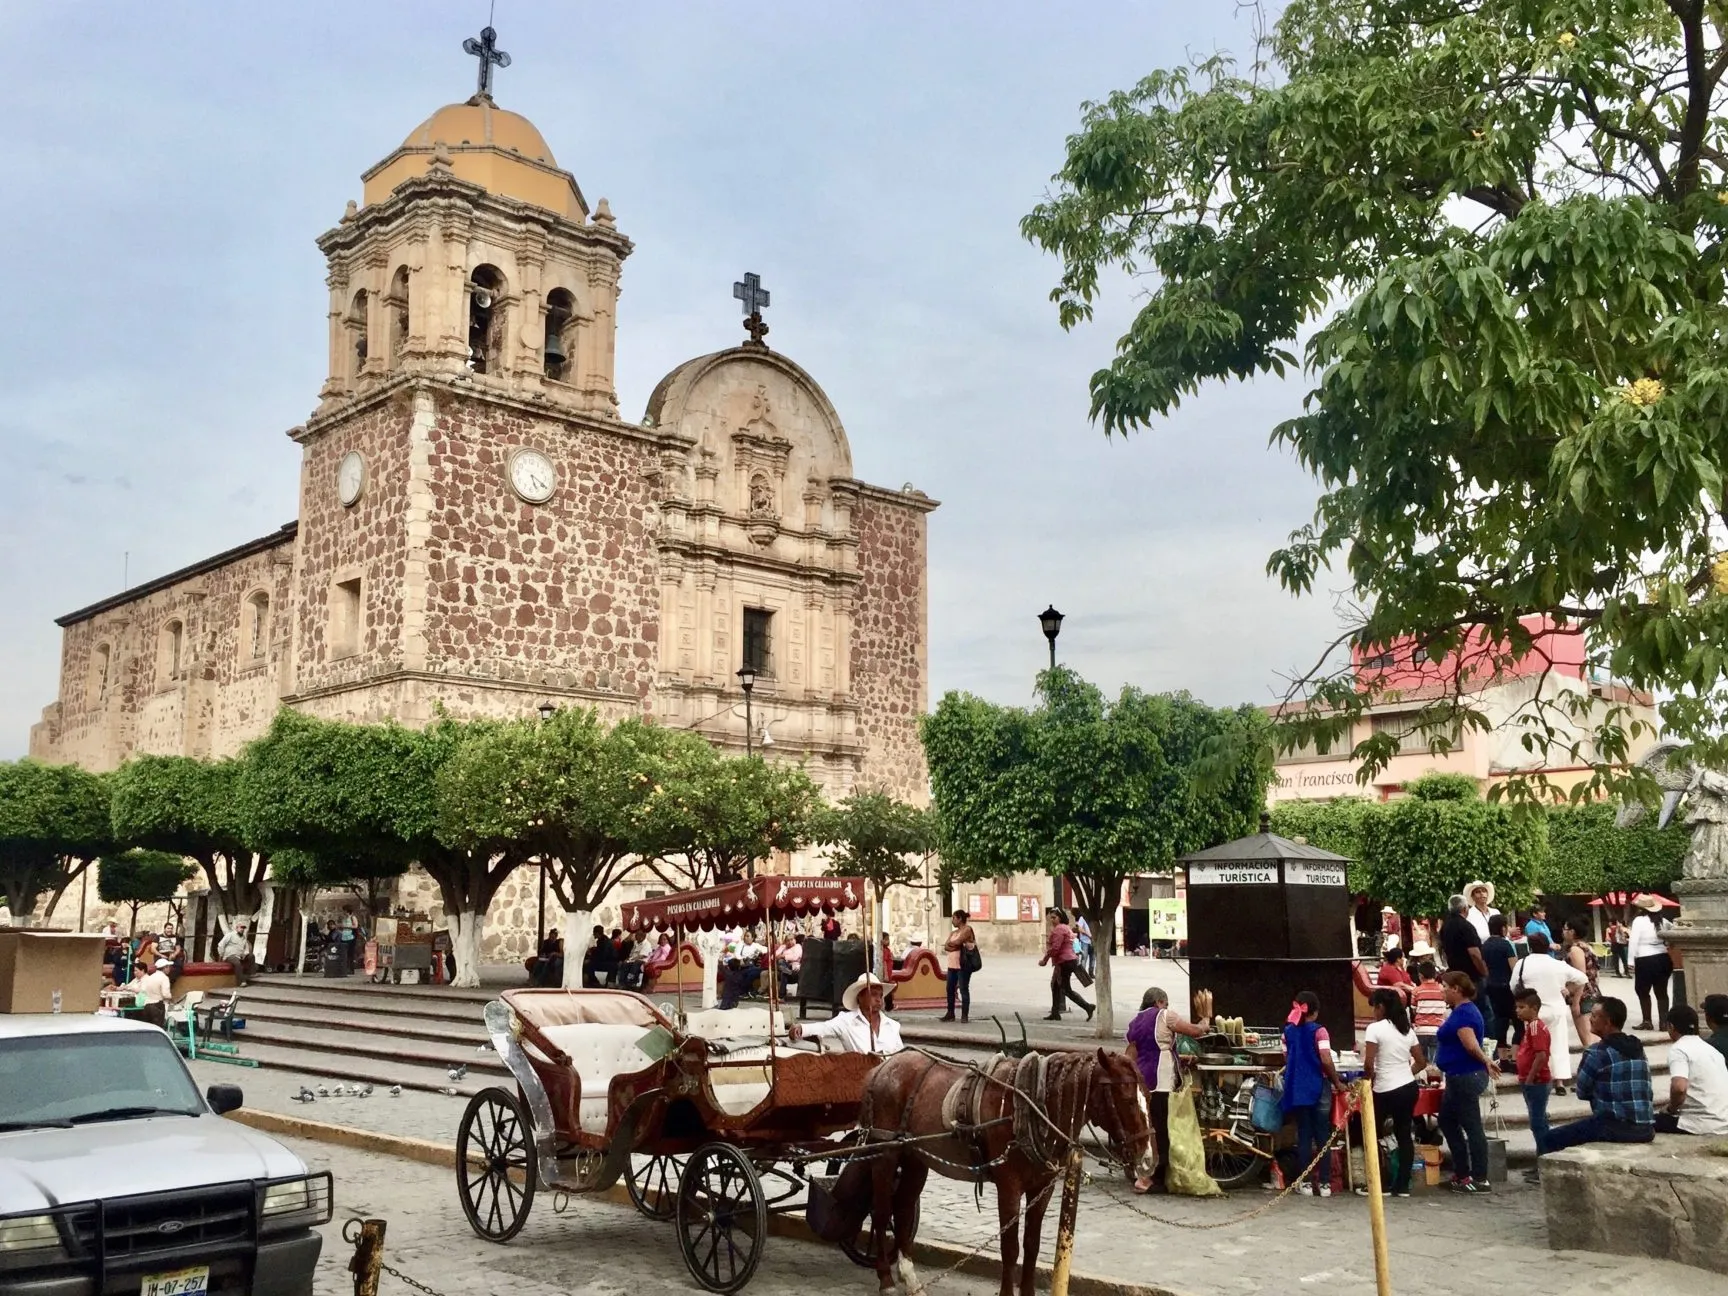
(305, 1095)
(323, 1091)
(484, 1048)
(457, 1072)
(395, 1091)
(452, 1091)
(366, 1092)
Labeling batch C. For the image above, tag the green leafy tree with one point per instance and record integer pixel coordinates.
(1499, 226)
(876, 837)
(1590, 855)
(718, 815)
(140, 877)
(571, 793)
(345, 791)
(1091, 789)
(367, 878)
(53, 822)
(1422, 848)
(190, 807)
(1331, 825)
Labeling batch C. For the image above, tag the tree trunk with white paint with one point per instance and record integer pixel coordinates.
(465, 929)
(708, 945)
(1103, 940)
(578, 936)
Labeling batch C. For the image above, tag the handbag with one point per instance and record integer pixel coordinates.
(1266, 1112)
(971, 960)
(1081, 974)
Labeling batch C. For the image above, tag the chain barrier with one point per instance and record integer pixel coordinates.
(367, 1235)
(1208, 1225)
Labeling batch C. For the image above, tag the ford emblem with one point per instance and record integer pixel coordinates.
(170, 1226)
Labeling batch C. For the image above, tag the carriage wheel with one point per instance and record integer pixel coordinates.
(722, 1217)
(495, 1164)
(652, 1183)
(1233, 1162)
(861, 1250)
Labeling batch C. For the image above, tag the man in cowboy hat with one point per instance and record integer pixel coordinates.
(1652, 965)
(1481, 897)
(862, 1028)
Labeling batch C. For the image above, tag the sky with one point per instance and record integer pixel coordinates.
(170, 165)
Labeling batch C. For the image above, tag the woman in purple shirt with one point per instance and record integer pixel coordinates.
(1152, 1045)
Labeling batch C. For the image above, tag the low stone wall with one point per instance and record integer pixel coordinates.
(1667, 1199)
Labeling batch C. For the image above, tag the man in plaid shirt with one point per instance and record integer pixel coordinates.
(1614, 1078)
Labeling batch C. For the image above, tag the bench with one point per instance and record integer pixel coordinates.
(204, 976)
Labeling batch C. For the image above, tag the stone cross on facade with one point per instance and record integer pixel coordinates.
(749, 290)
(486, 50)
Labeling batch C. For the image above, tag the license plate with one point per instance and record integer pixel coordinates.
(182, 1282)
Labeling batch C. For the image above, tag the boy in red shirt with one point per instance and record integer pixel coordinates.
(1534, 1074)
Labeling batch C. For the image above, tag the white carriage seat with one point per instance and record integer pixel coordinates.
(737, 1088)
(727, 1024)
(600, 1052)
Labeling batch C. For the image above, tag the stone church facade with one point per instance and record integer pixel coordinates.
(480, 529)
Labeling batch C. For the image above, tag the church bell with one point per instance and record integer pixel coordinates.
(554, 346)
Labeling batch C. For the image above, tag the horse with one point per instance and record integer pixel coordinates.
(1011, 1121)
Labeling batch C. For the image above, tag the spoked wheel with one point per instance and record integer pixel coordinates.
(652, 1183)
(495, 1164)
(722, 1217)
(1232, 1162)
(861, 1250)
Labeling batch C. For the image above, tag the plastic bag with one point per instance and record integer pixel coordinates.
(1266, 1113)
(1186, 1173)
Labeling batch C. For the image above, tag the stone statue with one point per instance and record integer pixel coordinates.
(1705, 792)
(761, 497)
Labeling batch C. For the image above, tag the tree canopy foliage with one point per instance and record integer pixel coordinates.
(1331, 825)
(1091, 789)
(1589, 854)
(54, 820)
(721, 813)
(140, 877)
(1499, 226)
(876, 837)
(192, 807)
(1421, 849)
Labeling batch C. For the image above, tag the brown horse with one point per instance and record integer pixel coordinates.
(1007, 1126)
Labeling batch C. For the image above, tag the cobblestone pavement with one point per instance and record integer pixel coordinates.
(592, 1249)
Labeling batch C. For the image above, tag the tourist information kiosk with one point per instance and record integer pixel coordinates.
(1268, 917)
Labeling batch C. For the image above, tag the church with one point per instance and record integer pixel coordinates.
(482, 528)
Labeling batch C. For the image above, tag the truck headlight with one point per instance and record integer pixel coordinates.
(295, 1203)
(29, 1240)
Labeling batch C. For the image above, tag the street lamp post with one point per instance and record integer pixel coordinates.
(747, 681)
(547, 711)
(1051, 620)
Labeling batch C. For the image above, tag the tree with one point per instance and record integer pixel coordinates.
(140, 877)
(577, 796)
(1422, 848)
(342, 790)
(720, 814)
(190, 807)
(1331, 825)
(873, 836)
(366, 877)
(1091, 790)
(53, 822)
(1500, 226)
(1590, 855)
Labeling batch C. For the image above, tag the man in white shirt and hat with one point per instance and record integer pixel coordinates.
(862, 1028)
(1481, 898)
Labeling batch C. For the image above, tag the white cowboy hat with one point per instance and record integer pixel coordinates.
(162, 963)
(850, 998)
(1387, 909)
(1421, 949)
(1471, 888)
(1648, 902)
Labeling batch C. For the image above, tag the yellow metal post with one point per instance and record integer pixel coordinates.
(1376, 1203)
(1065, 1226)
(368, 1257)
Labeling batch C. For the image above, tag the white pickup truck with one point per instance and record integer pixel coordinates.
(117, 1178)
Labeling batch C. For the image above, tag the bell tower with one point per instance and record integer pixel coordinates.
(473, 254)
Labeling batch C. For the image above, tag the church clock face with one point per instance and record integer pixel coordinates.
(532, 476)
(350, 477)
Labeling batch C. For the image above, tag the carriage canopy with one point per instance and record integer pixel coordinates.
(750, 901)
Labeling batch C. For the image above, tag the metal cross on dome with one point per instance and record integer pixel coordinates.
(486, 50)
(749, 290)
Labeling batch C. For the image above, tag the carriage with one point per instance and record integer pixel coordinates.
(712, 1118)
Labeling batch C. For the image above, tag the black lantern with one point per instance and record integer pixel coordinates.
(1051, 620)
(547, 710)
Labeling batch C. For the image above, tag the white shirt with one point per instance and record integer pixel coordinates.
(750, 951)
(155, 987)
(1548, 977)
(1645, 939)
(1391, 1056)
(850, 1033)
(1705, 1107)
(1479, 920)
(234, 946)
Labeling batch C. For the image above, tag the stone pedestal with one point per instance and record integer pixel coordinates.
(1700, 938)
(1667, 1199)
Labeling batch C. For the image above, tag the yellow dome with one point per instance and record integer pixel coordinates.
(500, 151)
(480, 121)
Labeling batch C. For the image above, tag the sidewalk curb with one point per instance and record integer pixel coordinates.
(443, 1155)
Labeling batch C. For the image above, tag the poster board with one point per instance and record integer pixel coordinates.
(1167, 919)
(1031, 909)
(978, 908)
(1007, 908)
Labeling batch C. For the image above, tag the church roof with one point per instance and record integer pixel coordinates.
(282, 535)
(500, 150)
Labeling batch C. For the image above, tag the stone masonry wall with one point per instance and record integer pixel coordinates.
(563, 594)
(890, 644)
(223, 694)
